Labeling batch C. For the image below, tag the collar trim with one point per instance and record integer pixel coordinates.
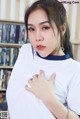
(55, 57)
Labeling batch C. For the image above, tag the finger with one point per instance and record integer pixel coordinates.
(30, 81)
(42, 73)
(35, 76)
(28, 88)
(52, 78)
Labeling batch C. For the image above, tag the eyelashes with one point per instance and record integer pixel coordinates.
(44, 28)
(31, 29)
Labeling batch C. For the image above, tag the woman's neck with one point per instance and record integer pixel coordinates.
(58, 52)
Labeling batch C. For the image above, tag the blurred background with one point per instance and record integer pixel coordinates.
(14, 10)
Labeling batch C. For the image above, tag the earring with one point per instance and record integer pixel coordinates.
(63, 49)
(62, 43)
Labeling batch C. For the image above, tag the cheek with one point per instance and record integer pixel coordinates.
(53, 42)
(56, 38)
(31, 37)
(32, 41)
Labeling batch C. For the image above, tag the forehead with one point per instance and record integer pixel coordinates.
(37, 16)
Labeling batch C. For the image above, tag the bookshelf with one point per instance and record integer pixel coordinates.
(12, 37)
(10, 45)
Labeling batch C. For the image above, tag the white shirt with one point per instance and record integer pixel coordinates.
(23, 104)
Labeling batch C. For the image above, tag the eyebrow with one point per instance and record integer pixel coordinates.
(40, 23)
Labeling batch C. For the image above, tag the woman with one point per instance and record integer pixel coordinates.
(45, 80)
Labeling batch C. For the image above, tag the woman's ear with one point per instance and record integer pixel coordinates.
(63, 29)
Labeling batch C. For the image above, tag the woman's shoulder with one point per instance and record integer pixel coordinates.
(26, 46)
(75, 68)
(26, 50)
(74, 63)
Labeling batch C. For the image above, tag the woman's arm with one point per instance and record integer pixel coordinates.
(59, 110)
(44, 90)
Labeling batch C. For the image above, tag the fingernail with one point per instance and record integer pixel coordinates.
(41, 71)
(31, 79)
(26, 86)
(54, 75)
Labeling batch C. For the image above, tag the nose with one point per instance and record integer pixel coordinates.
(39, 36)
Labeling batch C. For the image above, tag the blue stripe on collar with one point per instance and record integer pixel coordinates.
(54, 57)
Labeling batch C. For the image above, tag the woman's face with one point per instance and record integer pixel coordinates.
(43, 38)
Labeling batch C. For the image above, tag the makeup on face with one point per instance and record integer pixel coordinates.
(40, 47)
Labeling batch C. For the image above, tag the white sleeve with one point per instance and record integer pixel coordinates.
(15, 75)
(21, 103)
(73, 98)
(21, 61)
(21, 57)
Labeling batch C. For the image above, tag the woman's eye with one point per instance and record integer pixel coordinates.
(31, 29)
(46, 28)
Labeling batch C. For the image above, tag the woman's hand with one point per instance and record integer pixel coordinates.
(40, 87)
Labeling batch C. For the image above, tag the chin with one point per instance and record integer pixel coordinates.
(43, 54)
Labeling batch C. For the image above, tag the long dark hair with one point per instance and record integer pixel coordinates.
(56, 13)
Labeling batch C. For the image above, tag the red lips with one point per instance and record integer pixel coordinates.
(40, 47)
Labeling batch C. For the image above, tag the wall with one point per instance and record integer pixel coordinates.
(14, 10)
(73, 15)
